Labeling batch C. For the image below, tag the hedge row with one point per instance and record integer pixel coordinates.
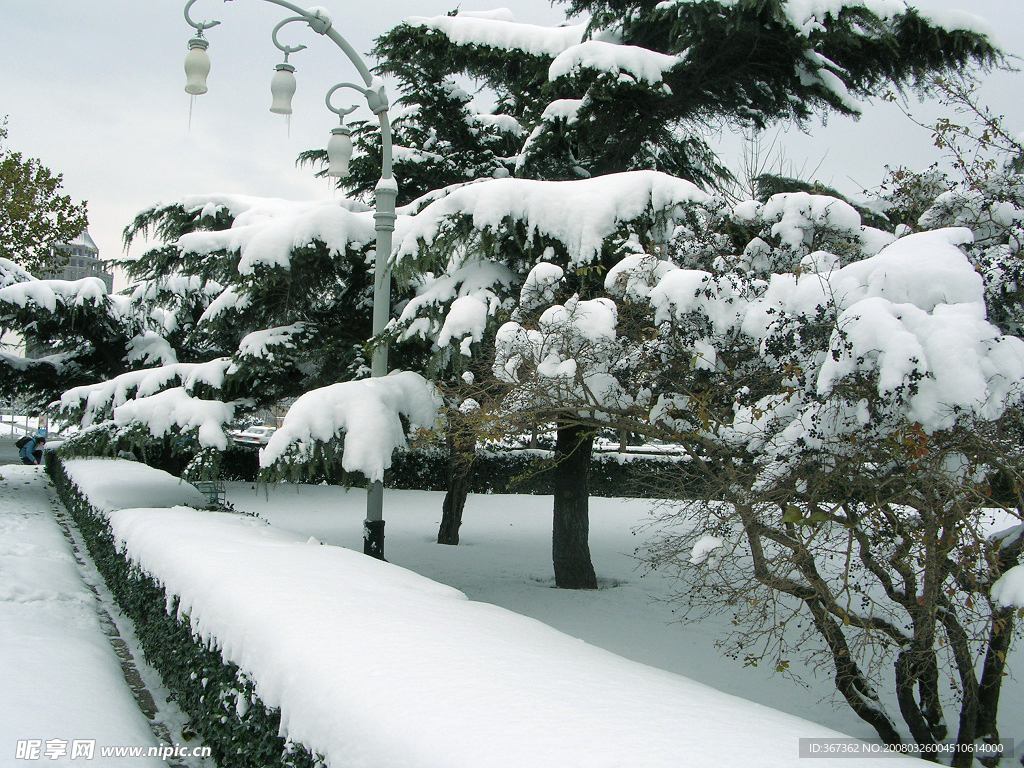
(520, 471)
(219, 700)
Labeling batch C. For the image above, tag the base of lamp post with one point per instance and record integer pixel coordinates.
(373, 538)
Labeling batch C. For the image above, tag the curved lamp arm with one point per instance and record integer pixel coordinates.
(322, 24)
(286, 49)
(199, 26)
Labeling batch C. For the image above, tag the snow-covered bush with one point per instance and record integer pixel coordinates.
(854, 414)
(984, 192)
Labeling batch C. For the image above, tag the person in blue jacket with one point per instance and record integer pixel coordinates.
(32, 451)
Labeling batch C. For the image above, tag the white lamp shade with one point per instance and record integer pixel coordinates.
(339, 152)
(282, 88)
(197, 66)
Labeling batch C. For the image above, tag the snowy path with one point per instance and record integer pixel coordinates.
(64, 693)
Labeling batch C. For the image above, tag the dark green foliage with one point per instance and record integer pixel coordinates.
(529, 472)
(75, 343)
(34, 216)
(174, 453)
(220, 701)
(623, 123)
(270, 331)
(742, 58)
(524, 472)
(324, 292)
(745, 63)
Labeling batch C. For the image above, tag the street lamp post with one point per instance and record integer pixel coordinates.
(339, 149)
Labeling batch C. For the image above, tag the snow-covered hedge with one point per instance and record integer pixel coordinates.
(271, 641)
(628, 475)
(513, 471)
(220, 701)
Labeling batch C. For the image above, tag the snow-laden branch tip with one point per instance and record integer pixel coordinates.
(502, 33)
(176, 410)
(267, 231)
(11, 273)
(150, 348)
(367, 413)
(265, 344)
(579, 214)
(808, 16)
(1008, 591)
(643, 64)
(99, 399)
(48, 294)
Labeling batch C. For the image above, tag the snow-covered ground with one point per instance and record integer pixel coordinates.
(604, 703)
(375, 666)
(63, 696)
(505, 558)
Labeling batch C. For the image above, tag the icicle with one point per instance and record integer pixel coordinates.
(288, 124)
(191, 104)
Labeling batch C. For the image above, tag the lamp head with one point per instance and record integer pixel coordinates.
(339, 152)
(282, 88)
(197, 66)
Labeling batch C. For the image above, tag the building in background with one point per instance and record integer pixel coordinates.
(83, 261)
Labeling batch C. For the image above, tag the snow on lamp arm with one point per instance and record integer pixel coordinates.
(197, 67)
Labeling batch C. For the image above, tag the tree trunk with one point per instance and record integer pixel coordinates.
(960, 646)
(999, 638)
(907, 674)
(849, 679)
(461, 452)
(570, 550)
(931, 703)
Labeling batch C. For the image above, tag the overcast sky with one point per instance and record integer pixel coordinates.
(95, 89)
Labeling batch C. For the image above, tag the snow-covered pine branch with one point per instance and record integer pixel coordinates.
(370, 417)
(96, 403)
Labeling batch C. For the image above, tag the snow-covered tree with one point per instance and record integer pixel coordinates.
(297, 273)
(34, 216)
(255, 300)
(72, 332)
(984, 191)
(634, 87)
(850, 413)
(634, 84)
(488, 253)
(75, 332)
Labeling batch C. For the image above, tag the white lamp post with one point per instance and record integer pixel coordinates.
(197, 67)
